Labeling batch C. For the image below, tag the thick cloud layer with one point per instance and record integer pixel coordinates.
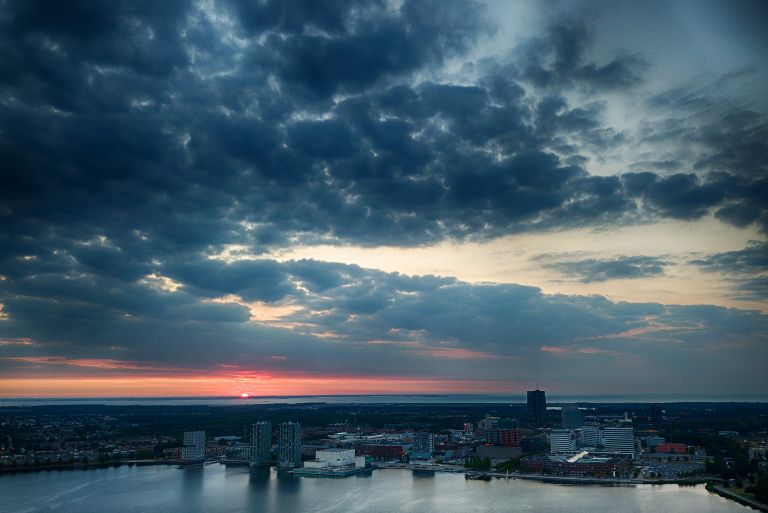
(594, 270)
(558, 59)
(748, 268)
(139, 138)
(344, 320)
(260, 124)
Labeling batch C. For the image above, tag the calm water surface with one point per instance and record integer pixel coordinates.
(215, 488)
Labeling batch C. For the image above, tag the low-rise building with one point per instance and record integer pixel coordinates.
(497, 452)
(581, 464)
(670, 447)
(561, 440)
(384, 451)
(508, 436)
(336, 457)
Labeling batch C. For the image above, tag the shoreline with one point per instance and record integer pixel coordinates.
(709, 482)
(603, 480)
(685, 481)
(84, 466)
(728, 494)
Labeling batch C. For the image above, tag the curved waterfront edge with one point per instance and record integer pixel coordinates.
(552, 479)
(85, 466)
(709, 482)
(746, 501)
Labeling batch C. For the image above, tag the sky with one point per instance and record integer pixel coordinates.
(352, 197)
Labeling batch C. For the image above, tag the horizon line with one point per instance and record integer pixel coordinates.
(757, 397)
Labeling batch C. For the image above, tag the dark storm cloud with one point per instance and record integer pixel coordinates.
(680, 196)
(750, 260)
(755, 289)
(619, 268)
(317, 49)
(725, 144)
(735, 136)
(48, 48)
(660, 165)
(739, 140)
(559, 59)
(746, 268)
(253, 280)
(231, 143)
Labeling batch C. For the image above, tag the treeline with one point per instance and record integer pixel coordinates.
(477, 463)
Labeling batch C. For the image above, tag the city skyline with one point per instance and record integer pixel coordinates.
(219, 198)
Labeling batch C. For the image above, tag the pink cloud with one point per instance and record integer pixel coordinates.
(455, 352)
(21, 341)
(577, 350)
(100, 363)
(554, 349)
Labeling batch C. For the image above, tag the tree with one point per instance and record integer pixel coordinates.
(478, 463)
(761, 489)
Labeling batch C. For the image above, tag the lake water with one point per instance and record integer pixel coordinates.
(215, 488)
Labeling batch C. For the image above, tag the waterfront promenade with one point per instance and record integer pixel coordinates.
(458, 469)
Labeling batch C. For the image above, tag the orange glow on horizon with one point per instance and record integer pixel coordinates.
(232, 385)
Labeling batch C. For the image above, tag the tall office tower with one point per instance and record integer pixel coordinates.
(424, 443)
(561, 440)
(620, 440)
(194, 446)
(571, 417)
(537, 406)
(657, 419)
(591, 436)
(289, 445)
(261, 443)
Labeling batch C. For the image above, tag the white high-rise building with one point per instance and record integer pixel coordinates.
(591, 436)
(424, 443)
(194, 446)
(620, 440)
(561, 440)
(261, 443)
(289, 445)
